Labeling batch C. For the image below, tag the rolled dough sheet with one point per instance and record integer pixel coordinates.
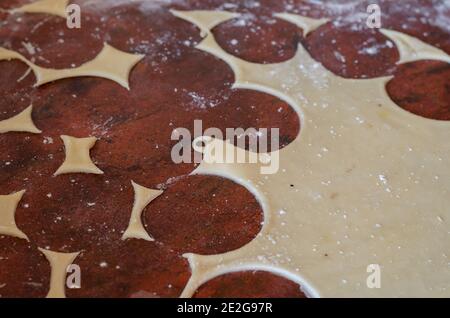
(110, 63)
(142, 198)
(22, 122)
(78, 158)
(54, 7)
(365, 182)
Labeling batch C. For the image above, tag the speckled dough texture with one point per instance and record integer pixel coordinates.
(174, 77)
(359, 202)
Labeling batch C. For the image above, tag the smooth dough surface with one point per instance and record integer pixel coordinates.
(110, 63)
(78, 159)
(142, 197)
(22, 122)
(306, 24)
(59, 262)
(8, 206)
(54, 7)
(365, 182)
(204, 19)
(412, 49)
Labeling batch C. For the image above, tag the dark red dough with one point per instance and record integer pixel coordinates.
(24, 271)
(173, 85)
(351, 55)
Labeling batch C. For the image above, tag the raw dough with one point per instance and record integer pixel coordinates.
(8, 206)
(142, 197)
(59, 263)
(20, 123)
(306, 24)
(412, 49)
(110, 63)
(365, 182)
(78, 159)
(55, 7)
(204, 20)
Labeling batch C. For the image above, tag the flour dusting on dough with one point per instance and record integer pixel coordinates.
(360, 202)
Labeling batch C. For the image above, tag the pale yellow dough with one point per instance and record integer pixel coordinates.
(8, 206)
(364, 183)
(204, 20)
(22, 122)
(59, 262)
(54, 7)
(412, 49)
(110, 63)
(78, 159)
(142, 197)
